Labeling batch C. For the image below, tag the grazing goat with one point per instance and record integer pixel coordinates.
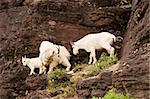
(52, 55)
(33, 63)
(92, 42)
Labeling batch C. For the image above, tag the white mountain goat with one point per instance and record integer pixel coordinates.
(92, 42)
(33, 63)
(52, 55)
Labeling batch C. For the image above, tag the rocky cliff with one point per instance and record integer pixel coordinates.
(25, 23)
(131, 75)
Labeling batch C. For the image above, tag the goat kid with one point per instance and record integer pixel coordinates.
(33, 63)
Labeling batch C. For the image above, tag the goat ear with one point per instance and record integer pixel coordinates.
(72, 43)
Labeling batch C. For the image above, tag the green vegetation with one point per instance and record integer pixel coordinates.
(58, 81)
(112, 94)
(65, 84)
(103, 62)
(66, 92)
(74, 79)
(79, 67)
(95, 98)
(56, 74)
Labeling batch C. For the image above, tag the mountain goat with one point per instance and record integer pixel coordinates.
(92, 42)
(33, 63)
(52, 55)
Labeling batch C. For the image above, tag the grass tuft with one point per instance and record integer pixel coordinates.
(56, 74)
(111, 94)
(58, 80)
(65, 85)
(103, 62)
(79, 67)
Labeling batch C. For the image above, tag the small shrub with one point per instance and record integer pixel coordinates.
(70, 91)
(95, 98)
(65, 85)
(74, 79)
(111, 94)
(57, 73)
(92, 70)
(59, 81)
(103, 62)
(79, 67)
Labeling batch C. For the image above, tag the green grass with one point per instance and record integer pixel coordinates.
(79, 67)
(95, 98)
(58, 81)
(74, 79)
(112, 94)
(103, 62)
(65, 85)
(70, 91)
(56, 74)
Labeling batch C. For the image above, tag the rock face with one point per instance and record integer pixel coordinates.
(12, 81)
(132, 74)
(25, 23)
(95, 86)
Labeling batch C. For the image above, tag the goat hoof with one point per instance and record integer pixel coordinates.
(89, 63)
(67, 69)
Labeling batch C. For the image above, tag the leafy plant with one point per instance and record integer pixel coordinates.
(79, 67)
(103, 62)
(70, 91)
(57, 73)
(74, 79)
(65, 85)
(95, 98)
(56, 79)
(59, 81)
(111, 94)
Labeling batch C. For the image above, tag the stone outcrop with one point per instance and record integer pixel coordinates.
(131, 76)
(95, 86)
(25, 23)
